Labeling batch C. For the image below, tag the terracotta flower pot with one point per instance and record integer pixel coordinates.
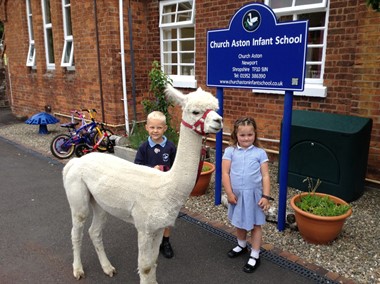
(319, 229)
(203, 181)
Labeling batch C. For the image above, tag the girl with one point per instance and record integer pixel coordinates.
(245, 177)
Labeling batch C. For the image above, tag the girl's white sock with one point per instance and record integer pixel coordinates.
(254, 254)
(242, 244)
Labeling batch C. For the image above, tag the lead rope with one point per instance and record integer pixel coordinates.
(203, 155)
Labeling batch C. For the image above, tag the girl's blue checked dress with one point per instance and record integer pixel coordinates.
(246, 182)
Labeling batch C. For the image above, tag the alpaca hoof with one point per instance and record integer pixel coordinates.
(78, 273)
(109, 270)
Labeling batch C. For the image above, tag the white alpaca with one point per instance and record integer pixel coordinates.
(146, 197)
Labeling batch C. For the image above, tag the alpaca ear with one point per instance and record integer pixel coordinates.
(175, 95)
(199, 89)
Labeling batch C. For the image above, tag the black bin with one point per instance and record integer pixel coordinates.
(331, 147)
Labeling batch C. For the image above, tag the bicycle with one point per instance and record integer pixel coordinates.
(102, 134)
(104, 141)
(63, 145)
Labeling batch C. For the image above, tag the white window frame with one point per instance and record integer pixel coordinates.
(313, 86)
(180, 81)
(67, 61)
(49, 48)
(31, 57)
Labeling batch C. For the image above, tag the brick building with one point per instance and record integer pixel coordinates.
(43, 67)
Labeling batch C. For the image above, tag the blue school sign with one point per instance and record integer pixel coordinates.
(256, 52)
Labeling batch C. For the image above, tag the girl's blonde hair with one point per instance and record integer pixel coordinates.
(157, 115)
(244, 121)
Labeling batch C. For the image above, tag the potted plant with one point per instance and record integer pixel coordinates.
(204, 179)
(320, 217)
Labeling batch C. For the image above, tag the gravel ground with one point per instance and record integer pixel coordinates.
(354, 255)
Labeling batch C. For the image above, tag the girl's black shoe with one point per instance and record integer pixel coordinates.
(233, 254)
(251, 268)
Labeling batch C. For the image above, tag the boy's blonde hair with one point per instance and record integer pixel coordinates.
(157, 115)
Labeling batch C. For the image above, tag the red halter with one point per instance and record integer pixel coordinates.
(200, 122)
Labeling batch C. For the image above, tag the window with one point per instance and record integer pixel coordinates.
(68, 47)
(31, 58)
(48, 33)
(177, 39)
(316, 11)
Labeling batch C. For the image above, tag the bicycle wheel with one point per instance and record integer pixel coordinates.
(103, 146)
(82, 149)
(61, 146)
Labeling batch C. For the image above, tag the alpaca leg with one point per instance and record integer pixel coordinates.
(78, 198)
(96, 234)
(78, 220)
(149, 244)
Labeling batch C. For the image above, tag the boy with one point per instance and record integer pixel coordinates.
(159, 153)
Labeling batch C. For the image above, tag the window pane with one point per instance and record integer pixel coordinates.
(170, 46)
(315, 37)
(47, 12)
(187, 32)
(186, 16)
(275, 4)
(187, 58)
(67, 51)
(169, 8)
(171, 69)
(49, 33)
(187, 70)
(67, 2)
(31, 54)
(170, 34)
(315, 19)
(31, 30)
(285, 18)
(314, 54)
(187, 45)
(313, 71)
(68, 21)
(184, 6)
(308, 2)
(171, 57)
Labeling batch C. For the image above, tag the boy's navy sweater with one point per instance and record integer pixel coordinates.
(156, 155)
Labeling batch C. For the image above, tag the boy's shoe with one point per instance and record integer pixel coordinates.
(166, 249)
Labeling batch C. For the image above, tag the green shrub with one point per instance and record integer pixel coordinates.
(320, 205)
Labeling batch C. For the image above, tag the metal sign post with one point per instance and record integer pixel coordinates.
(257, 52)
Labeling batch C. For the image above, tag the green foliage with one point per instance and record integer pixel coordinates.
(158, 82)
(158, 102)
(320, 205)
(206, 168)
(374, 4)
(138, 136)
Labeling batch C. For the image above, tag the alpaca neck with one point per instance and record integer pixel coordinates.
(185, 167)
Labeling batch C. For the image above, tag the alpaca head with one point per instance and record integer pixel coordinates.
(199, 110)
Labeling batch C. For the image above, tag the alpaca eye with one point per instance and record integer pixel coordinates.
(196, 112)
